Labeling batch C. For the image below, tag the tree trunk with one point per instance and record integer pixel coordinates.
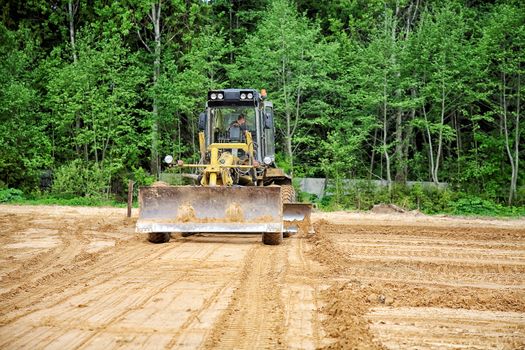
(231, 29)
(71, 9)
(399, 177)
(398, 152)
(512, 160)
(155, 17)
(385, 131)
(372, 158)
(430, 147)
(514, 178)
(440, 136)
(458, 141)
(408, 136)
(71, 14)
(287, 107)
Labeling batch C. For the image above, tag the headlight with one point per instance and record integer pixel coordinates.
(220, 96)
(267, 160)
(168, 159)
(250, 95)
(213, 96)
(243, 96)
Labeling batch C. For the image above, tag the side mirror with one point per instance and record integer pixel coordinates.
(268, 120)
(202, 121)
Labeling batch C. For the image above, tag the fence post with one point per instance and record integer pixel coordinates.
(130, 197)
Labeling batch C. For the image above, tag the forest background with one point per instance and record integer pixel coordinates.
(95, 92)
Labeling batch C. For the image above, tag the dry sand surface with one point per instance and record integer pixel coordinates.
(74, 277)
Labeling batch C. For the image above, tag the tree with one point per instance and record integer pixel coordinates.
(183, 86)
(504, 43)
(102, 90)
(445, 65)
(287, 56)
(25, 146)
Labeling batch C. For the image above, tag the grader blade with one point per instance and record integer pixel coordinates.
(296, 217)
(193, 209)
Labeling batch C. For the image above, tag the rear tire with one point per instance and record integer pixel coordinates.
(272, 238)
(159, 237)
(287, 196)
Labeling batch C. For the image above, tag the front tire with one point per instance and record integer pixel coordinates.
(159, 237)
(272, 238)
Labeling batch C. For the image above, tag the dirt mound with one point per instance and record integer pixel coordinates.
(347, 306)
(160, 184)
(324, 250)
(387, 209)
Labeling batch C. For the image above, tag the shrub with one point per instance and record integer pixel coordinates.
(10, 195)
(81, 179)
(472, 205)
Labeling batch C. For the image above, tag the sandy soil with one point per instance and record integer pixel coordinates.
(81, 278)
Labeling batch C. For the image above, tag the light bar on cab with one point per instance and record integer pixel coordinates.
(215, 95)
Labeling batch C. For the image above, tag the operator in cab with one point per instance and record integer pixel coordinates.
(240, 122)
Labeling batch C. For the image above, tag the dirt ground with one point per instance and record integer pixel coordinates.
(81, 278)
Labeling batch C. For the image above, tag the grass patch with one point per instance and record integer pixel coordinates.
(76, 201)
(15, 196)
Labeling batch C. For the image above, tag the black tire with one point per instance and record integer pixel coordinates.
(272, 238)
(159, 237)
(287, 196)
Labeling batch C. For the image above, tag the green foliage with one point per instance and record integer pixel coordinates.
(73, 201)
(472, 205)
(142, 177)
(10, 195)
(408, 90)
(364, 195)
(93, 103)
(283, 162)
(288, 56)
(80, 179)
(25, 144)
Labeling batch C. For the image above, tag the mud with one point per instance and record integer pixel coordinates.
(81, 278)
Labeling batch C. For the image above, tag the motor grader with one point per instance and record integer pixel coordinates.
(239, 188)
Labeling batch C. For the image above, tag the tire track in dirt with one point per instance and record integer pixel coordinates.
(175, 340)
(98, 328)
(376, 285)
(39, 267)
(92, 270)
(148, 296)
(300, 292)
(444, 328)
(254, 319)
(12, 227)
(480, 233)
(388, 268)
(114, 273)
(307, 267)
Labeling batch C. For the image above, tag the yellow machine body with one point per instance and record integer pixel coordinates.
(234, 195)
